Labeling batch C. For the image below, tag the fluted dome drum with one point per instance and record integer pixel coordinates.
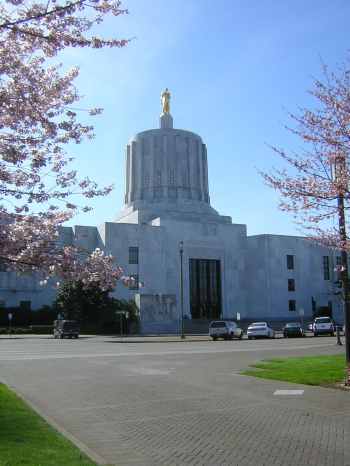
(166, 172)
(166, 165)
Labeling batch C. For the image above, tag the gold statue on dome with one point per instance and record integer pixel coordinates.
(165, 99)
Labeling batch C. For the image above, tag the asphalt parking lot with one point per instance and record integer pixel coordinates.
(163, 401)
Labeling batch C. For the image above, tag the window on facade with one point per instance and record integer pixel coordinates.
(133, 255)
(292, 305)
(3, 266)
(134, 282)
(330, 308)
(338, 260)
(290, 262)
(313, 304)
(291, 284)
(326, 267)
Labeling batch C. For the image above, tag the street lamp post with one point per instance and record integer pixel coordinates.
(181, 251)
(301, 315)
(340, 167)
(345, 281)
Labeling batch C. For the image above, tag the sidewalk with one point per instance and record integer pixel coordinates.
(124, 339)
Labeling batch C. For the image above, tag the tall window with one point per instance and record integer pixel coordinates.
(205, 289)
(133, 255)
(338, 259)
(291, 284)
(292, 305)
(290, 262)
(326, 267)
(134, 282)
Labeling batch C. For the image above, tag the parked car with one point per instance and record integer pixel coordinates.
(293, 329)
(225, 329)
(260, 330)
(65, 328)
(323, 326)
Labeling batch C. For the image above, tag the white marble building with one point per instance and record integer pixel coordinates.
(265, 277)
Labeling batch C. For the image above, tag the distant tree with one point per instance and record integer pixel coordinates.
(38, 119)
(89, 304)
(78, 302)
(315, 186)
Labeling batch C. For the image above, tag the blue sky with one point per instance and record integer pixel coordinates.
(233, 67)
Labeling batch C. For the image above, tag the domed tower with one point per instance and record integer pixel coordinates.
(166, 173)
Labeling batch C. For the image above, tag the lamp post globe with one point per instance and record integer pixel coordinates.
(181, 251)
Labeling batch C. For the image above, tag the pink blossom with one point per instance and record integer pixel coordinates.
(38, 125)
(316, 177)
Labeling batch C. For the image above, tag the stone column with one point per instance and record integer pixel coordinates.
(132, 171)
(165, 165)
(138, 167)
(201, 168)
(205, 173)
(152, 167)
(127, 175)
(193, 180)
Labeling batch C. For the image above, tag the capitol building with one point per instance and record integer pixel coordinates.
(193, 262)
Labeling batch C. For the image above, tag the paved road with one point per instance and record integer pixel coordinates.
(157, 403)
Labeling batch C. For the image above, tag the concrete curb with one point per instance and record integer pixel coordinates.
(82, 447)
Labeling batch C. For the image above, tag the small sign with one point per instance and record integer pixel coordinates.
(301, 311)
(238, 316)
(9, 315)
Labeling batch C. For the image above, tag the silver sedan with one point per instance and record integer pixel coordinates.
(260, 330)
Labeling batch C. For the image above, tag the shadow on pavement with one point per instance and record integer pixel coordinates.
(169, 340)
(163, 340)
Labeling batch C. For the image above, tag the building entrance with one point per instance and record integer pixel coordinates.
(205, 289)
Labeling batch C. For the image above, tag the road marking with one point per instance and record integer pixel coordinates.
(147, 371)
(289, 392)
(31, 357)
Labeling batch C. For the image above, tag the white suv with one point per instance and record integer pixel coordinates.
(225, 329)
(322, 326)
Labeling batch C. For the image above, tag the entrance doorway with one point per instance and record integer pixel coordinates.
(205, 289)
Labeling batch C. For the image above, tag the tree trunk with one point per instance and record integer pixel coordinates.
(345, 281)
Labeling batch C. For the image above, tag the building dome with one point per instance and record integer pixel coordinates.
(167, 170)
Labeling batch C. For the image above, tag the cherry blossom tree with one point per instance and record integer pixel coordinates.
(315, 185)
(38, 120)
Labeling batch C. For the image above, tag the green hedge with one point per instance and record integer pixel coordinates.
(36, 329)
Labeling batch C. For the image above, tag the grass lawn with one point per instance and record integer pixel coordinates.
(27, 440)
(311, 370)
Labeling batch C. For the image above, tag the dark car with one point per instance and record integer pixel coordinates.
(66, 328)
(293, 329)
